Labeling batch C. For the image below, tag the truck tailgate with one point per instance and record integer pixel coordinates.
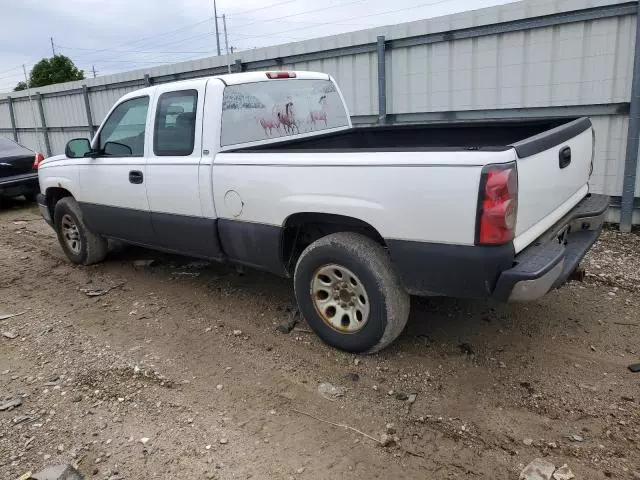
(553, 174)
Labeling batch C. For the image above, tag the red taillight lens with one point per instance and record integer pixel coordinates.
(37, 160)
(497, 205)
(274, 75)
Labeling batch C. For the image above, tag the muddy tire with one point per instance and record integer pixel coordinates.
(348, 294)
(80, 244)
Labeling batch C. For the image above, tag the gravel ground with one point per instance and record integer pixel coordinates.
(178, 371)
(615, 260)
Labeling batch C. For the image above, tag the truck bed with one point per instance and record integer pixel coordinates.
(553, 160)
(494, 135)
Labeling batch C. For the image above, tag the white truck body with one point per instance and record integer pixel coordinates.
(273, 154)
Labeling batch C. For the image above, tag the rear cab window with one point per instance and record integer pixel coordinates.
(175, 123)
(266, 110)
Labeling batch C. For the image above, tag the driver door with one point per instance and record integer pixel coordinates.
(113, 190)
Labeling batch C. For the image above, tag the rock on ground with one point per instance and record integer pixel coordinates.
(58, 472)
(330, 392)
(538, 469)
(563, 473)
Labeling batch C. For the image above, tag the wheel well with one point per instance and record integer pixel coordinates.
(302, 229)
(53, 195)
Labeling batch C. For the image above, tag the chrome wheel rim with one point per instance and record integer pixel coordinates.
(71, 234)
(340, 298)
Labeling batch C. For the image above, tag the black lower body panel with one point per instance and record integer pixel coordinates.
(195, 236)
(253, 244)
(187, 235)
(449, 270)
(44, 209)
(126, 224)
(496, 272)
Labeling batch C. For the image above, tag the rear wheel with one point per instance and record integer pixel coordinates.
(80, 244)
(348, 293)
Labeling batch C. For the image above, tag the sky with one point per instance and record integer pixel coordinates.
(119, 35)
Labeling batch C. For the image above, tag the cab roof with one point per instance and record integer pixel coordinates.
(261, 76)
(236, 79)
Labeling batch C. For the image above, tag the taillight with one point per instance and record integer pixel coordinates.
(497, 205)
(37, 160)
(274, 75)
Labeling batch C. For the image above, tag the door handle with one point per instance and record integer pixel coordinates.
(564, 157)
(135, 176)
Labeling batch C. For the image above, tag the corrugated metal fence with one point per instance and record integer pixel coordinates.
(531, 59)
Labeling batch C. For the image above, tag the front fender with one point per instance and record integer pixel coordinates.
(59, 176)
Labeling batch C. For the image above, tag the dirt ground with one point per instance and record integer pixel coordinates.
(178, 372)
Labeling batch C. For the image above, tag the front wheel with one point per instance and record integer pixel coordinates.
(347, 291)
(80, 244)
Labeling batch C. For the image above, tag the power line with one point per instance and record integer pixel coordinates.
(172, 42)
(242, 25)
(359, 16)
(301, 13)
(16, 74)
(144, 39)
(151, 56)
(262, 8)
(170, 32)
(178, 42)
(120, 51)
(143, 61)
(324, 23)
(162, 44)
(11, 69)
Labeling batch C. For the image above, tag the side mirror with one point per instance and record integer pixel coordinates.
(77, 148)
(115, 149)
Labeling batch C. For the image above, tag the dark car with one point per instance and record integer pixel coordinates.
(18, 170)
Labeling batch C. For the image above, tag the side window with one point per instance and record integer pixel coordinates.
(123, 132)
(175, 125)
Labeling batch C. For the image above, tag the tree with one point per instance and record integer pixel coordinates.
(57, 69)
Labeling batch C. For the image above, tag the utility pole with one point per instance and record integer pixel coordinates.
(53, 48)
(93, 68)
(226, 41)
(215, 17)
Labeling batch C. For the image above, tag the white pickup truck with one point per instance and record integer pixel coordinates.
(264, 169)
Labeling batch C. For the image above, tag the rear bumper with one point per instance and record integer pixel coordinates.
(19, 185)
(44, 209)
(548, 263)
(473, 271)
